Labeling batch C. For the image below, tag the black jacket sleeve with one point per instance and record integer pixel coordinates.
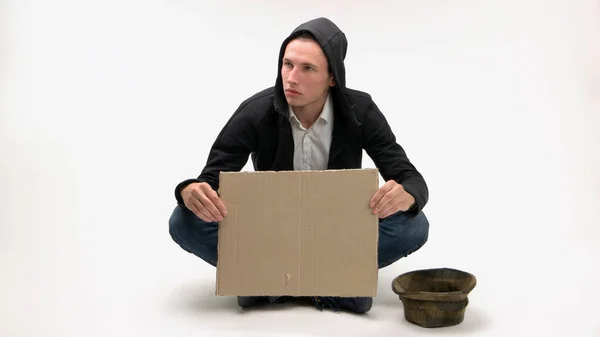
(229, 152)
(390, 158)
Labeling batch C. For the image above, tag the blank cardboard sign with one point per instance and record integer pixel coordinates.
(298, 233)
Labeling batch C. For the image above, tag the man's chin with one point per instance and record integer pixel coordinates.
(294, 101)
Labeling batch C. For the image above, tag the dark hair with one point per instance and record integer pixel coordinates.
(303, 34)
(306, 35)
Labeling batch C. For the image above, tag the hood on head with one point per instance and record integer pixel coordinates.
(334, 44)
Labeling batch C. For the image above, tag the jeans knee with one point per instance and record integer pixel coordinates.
(420, 234)
(181, 228)
(177, 224)
(194, 235)
(422, 228)
(402, 236)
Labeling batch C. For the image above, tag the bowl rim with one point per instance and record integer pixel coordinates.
(456, 295)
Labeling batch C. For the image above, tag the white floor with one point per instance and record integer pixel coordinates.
(107, 105)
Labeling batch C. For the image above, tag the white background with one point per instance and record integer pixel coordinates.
(107, 105)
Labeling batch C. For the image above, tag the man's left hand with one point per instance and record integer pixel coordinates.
(391, 198)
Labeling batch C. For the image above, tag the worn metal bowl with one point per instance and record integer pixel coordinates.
(434, 297)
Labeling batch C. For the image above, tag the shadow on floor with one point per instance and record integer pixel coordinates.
(198, 299)
(195, 297)
(200, 296)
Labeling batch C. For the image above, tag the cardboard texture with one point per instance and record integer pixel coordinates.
(298, 233)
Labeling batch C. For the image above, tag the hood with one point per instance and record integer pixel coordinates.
(334, 44)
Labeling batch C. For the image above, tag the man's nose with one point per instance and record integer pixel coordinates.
(291, 78)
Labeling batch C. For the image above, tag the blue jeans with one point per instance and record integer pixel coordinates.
(399, 235)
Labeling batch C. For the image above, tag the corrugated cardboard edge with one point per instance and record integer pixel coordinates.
(375, 219)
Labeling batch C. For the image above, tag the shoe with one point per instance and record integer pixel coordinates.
(250, 301)
(359, 305)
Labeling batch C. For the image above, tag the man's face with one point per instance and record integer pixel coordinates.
(304, 72)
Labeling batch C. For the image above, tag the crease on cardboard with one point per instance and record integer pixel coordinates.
(300, 230)
(317, 234)
(237, 249)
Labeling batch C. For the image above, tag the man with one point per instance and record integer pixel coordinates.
(309, 120)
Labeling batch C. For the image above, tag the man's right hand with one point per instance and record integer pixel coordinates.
(201, 199)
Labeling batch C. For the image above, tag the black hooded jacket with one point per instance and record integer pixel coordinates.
(260, 128)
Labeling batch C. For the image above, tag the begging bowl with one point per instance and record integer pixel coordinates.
(434, 297)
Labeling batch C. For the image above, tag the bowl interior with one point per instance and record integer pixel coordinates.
(439, 280)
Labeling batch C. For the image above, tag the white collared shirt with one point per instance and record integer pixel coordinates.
(311, 146)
